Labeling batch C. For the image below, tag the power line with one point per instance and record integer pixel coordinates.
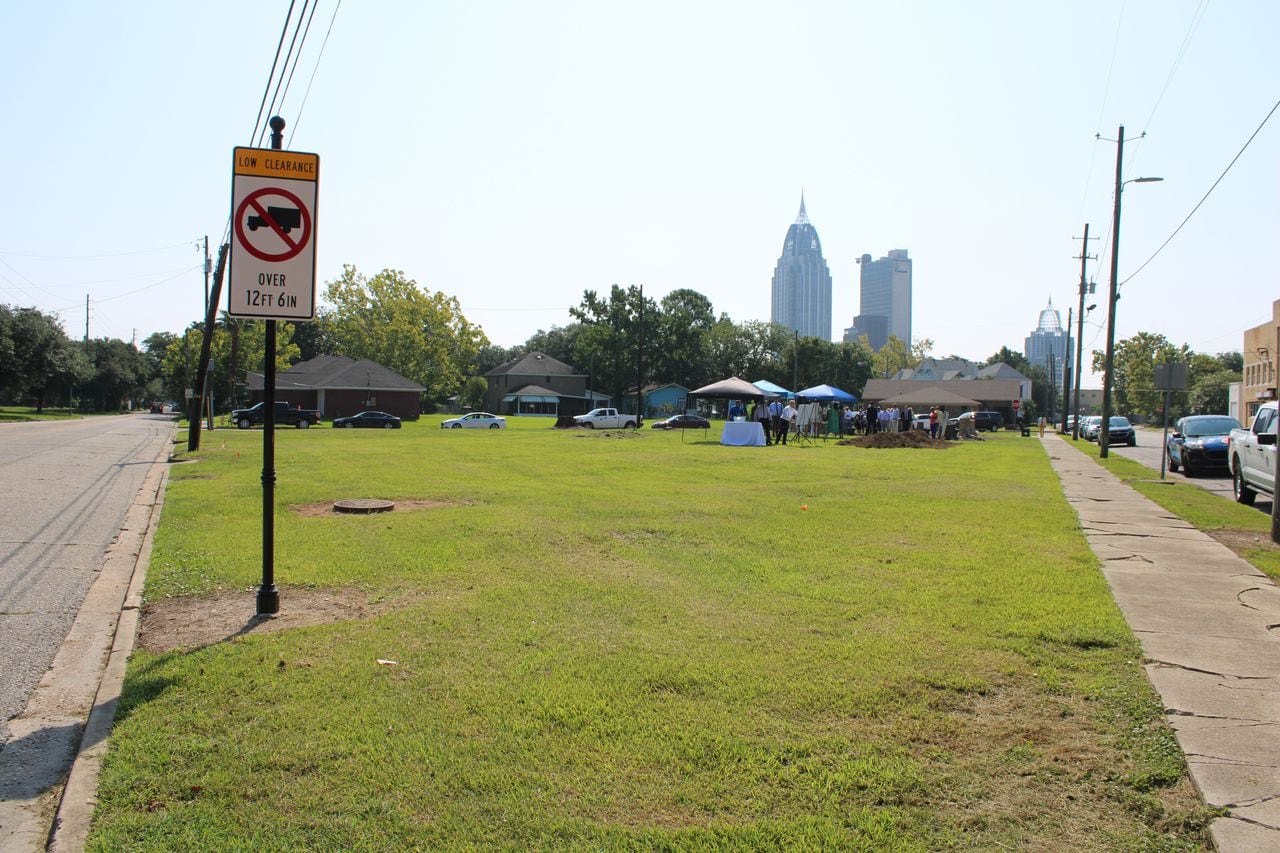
(275, 97)
(298, 117)
(138, 290)
(87, 257)
(272, 75)
(1196, 18)
(1102, 108)
(289, 81)
(1205, 196)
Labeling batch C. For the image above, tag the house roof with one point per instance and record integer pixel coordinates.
(534, 391)
(653, 388)
(337, 372)
(1000, 392)
(1000, 370)
(533, 364)
(930, 395)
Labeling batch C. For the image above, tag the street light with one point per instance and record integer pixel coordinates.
(1104, 433)
(1075, 424)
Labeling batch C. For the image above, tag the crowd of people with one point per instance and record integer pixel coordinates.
(778, 419)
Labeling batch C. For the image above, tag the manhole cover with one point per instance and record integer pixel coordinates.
(363, 505)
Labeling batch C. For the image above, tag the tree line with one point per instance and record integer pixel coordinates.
(620, 339)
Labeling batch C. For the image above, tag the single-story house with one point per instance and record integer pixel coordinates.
(338, 386)
(992, 395)
(659, 400)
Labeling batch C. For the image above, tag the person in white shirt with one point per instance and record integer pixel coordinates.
(785, 422)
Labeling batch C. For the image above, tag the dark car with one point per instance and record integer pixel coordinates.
(1199, 442)
(982, 421)
(1121, 431)
(369, 420)
(683, 422)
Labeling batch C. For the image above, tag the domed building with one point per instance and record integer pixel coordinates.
(1050, 346)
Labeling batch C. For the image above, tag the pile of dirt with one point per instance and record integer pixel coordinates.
(910, 438)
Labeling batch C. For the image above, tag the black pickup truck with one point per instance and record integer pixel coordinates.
(285, 414)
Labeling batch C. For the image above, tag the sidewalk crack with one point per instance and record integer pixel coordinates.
(1171, 665)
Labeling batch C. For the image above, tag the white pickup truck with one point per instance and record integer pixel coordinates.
(1253, 456)
(606, 419)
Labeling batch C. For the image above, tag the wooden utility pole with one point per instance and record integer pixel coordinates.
(1084, 258)
(202, 367)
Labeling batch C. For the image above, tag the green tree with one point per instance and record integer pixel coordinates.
(559, 342)
(238, 347)
(388, 318)
(1014, 359)
(39, 362)
(613, 329)
(473, 391)
(1133, 385)
(313, 338)
(894, 356)
(681, 353)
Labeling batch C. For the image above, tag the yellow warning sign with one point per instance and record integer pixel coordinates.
(269, 163)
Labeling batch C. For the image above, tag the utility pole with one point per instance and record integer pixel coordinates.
(795, 364)
(208, 380)
(86, 324)
(1066, 377)
(1084, 258)
(202, 366)
(640, 366)
(1113, 295)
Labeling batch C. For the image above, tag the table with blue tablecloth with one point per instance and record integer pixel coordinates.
(743, 434)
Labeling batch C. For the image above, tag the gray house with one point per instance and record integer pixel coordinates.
(537, 384)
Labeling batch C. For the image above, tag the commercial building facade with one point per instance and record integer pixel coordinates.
(1261, 353)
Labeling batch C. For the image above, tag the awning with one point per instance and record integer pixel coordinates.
(530, 398)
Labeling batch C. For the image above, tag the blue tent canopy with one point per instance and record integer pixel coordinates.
(826, 393)
(771, 390)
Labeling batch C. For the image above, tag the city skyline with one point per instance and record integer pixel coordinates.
(514, 157)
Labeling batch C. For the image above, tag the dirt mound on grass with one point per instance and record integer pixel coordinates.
(910, 438)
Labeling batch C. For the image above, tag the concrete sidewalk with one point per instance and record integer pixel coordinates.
(1207, 622)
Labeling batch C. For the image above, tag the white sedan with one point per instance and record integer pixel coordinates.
(475, 420)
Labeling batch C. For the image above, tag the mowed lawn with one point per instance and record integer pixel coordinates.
(608, 640)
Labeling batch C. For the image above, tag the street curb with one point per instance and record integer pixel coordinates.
(70, 827)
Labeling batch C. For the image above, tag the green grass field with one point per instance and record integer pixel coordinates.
(619, 640)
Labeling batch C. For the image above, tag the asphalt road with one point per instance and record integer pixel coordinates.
(1148, 453)
(64, 491)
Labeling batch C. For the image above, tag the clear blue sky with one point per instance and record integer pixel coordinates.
(514, 154)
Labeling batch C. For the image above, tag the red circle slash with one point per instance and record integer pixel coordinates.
(266, 217)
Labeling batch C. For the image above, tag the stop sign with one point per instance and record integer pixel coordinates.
(1016, 403)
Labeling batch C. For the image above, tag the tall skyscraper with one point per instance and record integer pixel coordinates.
(802, 282)
(886, 292)
(1049, 346)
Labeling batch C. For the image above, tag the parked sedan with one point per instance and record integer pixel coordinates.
(1199, 442)
(1121, 431)
(683, 422)
(368, 420)
(475, 420)
(1090, 427)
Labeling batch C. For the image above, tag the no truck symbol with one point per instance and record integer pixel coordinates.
(279, 220)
